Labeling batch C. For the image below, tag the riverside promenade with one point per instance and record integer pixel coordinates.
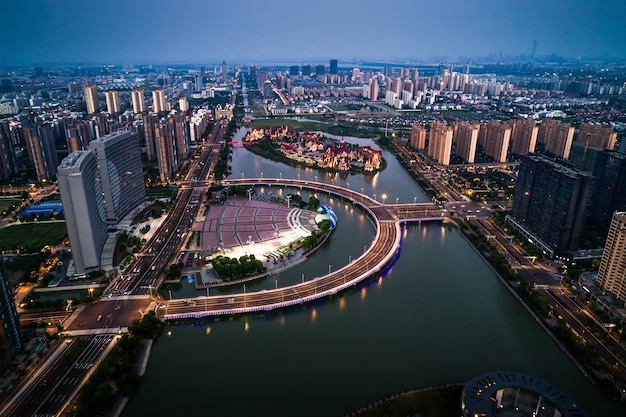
(385, 246)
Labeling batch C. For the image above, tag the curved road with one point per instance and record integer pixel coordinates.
(384, 248)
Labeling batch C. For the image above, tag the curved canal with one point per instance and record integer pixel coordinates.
(439, 315)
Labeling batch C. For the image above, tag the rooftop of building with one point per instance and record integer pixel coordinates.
(505, 394)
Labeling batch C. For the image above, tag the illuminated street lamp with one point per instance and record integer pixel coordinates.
(384, 196)
(91, 292)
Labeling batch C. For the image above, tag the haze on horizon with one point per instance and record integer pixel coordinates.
(197, 31)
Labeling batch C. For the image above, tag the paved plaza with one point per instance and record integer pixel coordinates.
(241, 225)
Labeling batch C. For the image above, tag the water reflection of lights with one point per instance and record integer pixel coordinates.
(443, 231)
(169, 332)
(313, 314)
(282, 320)
(342, 303)
(375, 179)
(208, 330)
(363, 293)
(246, 326)
(380, 281)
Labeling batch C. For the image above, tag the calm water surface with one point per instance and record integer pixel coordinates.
(439, 315)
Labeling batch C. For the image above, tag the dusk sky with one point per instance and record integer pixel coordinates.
(249, 31)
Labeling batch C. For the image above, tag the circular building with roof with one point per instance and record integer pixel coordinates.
(513, 394)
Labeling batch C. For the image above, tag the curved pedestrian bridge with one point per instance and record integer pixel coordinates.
(385, 247)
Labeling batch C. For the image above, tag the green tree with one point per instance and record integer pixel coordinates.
(314, 203)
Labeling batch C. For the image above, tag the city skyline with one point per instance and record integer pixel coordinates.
(197, 32)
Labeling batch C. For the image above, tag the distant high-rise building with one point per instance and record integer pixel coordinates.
(10, 334)
(224, 71)
(294, 71)
(113, 102)
(333, 66)
(166, 150)
(40, 145)
(609, 190)
(8, 156)
(74, 87)
(466, 140)
(556, 137)
(373, 89)
(180, 128)
(149, 125)
(183, 104)
(418, 137)
(597, 136)
(199, 82)
(77, 135)
(268, 93)
(121, 174)
(550, 203)
(81, 194)
(306, 70)
(497, 138)
(320, 69)
(612, 271)
(139, 103)
(440, 142)
(91, 98)
(159, 105)
(524, 136)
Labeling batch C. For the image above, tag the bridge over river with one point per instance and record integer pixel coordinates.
(387, 219)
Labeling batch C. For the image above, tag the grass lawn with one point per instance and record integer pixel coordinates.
(32, 235)
(345, 107)
(258, 111)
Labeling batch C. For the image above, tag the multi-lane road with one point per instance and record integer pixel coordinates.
(50, 388)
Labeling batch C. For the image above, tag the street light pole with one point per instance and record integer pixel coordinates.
(329, 266)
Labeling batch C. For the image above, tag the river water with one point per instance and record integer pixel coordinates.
(439, 315)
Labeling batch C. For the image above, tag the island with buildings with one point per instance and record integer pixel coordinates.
(313, 149)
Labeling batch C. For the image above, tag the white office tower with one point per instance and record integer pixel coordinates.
(81, 194)
(119, 161)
